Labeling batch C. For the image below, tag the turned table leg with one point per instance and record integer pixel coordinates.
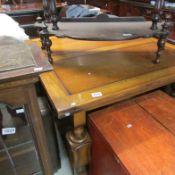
(79, 143)
(46, 42)
(161, 45)
(43, 47)
(163, 37)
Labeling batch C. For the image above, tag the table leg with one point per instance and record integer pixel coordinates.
(163, 38)
(79, 143)
(48, 44)
(46, 41)
(161, 45)
(43, 46)
(35, 121)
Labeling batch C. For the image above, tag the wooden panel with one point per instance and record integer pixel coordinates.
(142, 145)
(103, 160)
(161, 107)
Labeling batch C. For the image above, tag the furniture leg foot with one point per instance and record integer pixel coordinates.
(79, 143)
(79, 149)
(157, 60)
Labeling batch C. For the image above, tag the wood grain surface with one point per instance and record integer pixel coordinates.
(139, 135)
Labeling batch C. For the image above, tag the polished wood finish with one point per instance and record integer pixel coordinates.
(118, 70)
(79, 119)
(161, 107)
(134, 137)
(17, 87)
(103, 160)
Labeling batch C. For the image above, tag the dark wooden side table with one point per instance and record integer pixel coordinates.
(17, 87)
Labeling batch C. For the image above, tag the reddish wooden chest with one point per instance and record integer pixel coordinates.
(135, 137)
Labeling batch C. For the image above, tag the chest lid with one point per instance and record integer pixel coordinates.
(140, 133)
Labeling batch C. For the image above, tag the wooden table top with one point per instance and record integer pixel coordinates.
(90, 74)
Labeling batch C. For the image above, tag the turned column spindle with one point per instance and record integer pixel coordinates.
(54, 14)
(42, 38)
(163, 37)
(46, 11)
(156, 14)
(47, 42)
